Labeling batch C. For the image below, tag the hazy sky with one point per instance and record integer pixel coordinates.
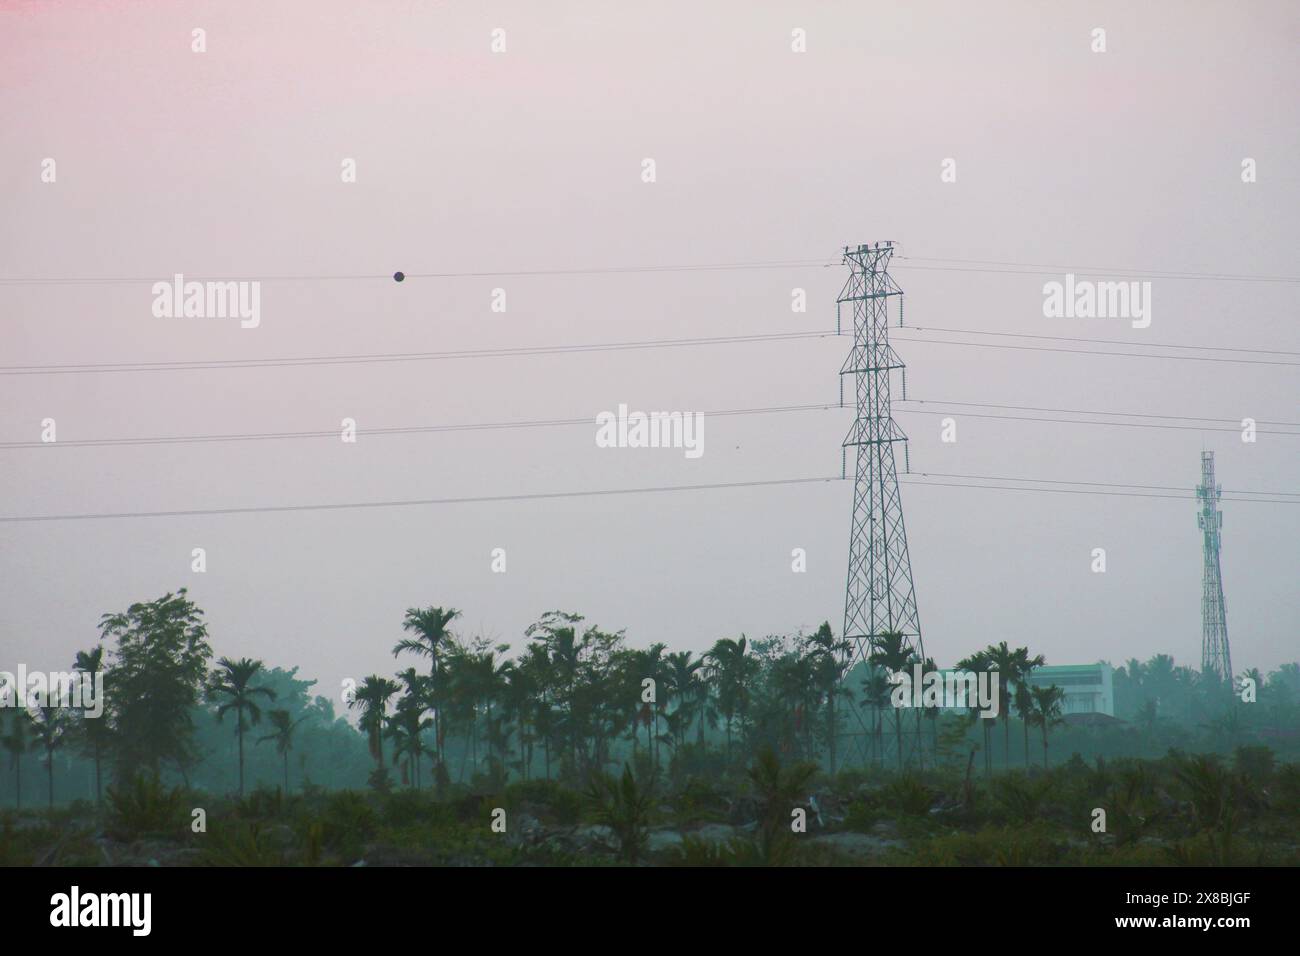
(228, 163)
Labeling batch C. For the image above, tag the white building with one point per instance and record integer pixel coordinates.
(1089, 688)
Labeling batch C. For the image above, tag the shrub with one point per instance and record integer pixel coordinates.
(560, 802)
(144, 806)
(239, 843)
(907, 796)
(624, 806)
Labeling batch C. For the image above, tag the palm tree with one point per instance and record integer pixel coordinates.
(730, 666)
(18, 743)
(791, 682)
(778, 790)
(1024, 703)
(977, 662)
(233, 681)
(625, 806)
(565, 648)
(1148, 717)
(930, 713)
(891, 651)
(536, 673)
(409, 722)
(1047, 710)
(1012, 667)
(1252, 674)
(520, 703)
(431, 640)
(875, 694)
(829, 656)
(93, 732)
(651, 664)
(683, 681)
(1160, 680)
(284, 725)
(489, 675)
(706, 711)
(1021, 666)
(372, 697)
(50, 724)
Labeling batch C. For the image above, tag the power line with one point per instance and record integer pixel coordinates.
(1093, 270)
(541, 496)
(1093, 411)
(1066, 338)
(379, 431)
(1084, 421)
(370, 432)
(1081, 491)
(472, 274)
(406, 356)
(477, 499)
(1103, 484)
(964, 265)
(562, 349)
(1044, 348)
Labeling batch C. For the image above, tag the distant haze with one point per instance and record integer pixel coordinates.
(227, 163)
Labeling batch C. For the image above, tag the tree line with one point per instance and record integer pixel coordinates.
(575, 700)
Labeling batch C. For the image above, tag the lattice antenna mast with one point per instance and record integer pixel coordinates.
(1215, 655)
(879, 596)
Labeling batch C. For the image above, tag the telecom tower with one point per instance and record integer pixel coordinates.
(1215, 656)
(879, 596)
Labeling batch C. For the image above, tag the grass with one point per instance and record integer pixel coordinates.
(1175, 811)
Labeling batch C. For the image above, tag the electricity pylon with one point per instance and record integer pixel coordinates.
(1215, 656)
(879, 597)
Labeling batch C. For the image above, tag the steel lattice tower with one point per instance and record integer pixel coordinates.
(879, 596)
(1215, 656)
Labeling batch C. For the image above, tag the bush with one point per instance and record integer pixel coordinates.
(406, 807)
(1020, 799)
(239, 843)
(551, 799)
(699, 801)
(346, 821)
(861, 816)
(907, 796)
(624, 806)
(145, 807)
(1255, 763)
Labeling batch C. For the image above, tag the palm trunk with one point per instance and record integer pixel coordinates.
(830, 706)
(240, 734)
(49, 764)
(920, 741)
(1044, 745)
(433, 701)
(898, 732)
(286, 773)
